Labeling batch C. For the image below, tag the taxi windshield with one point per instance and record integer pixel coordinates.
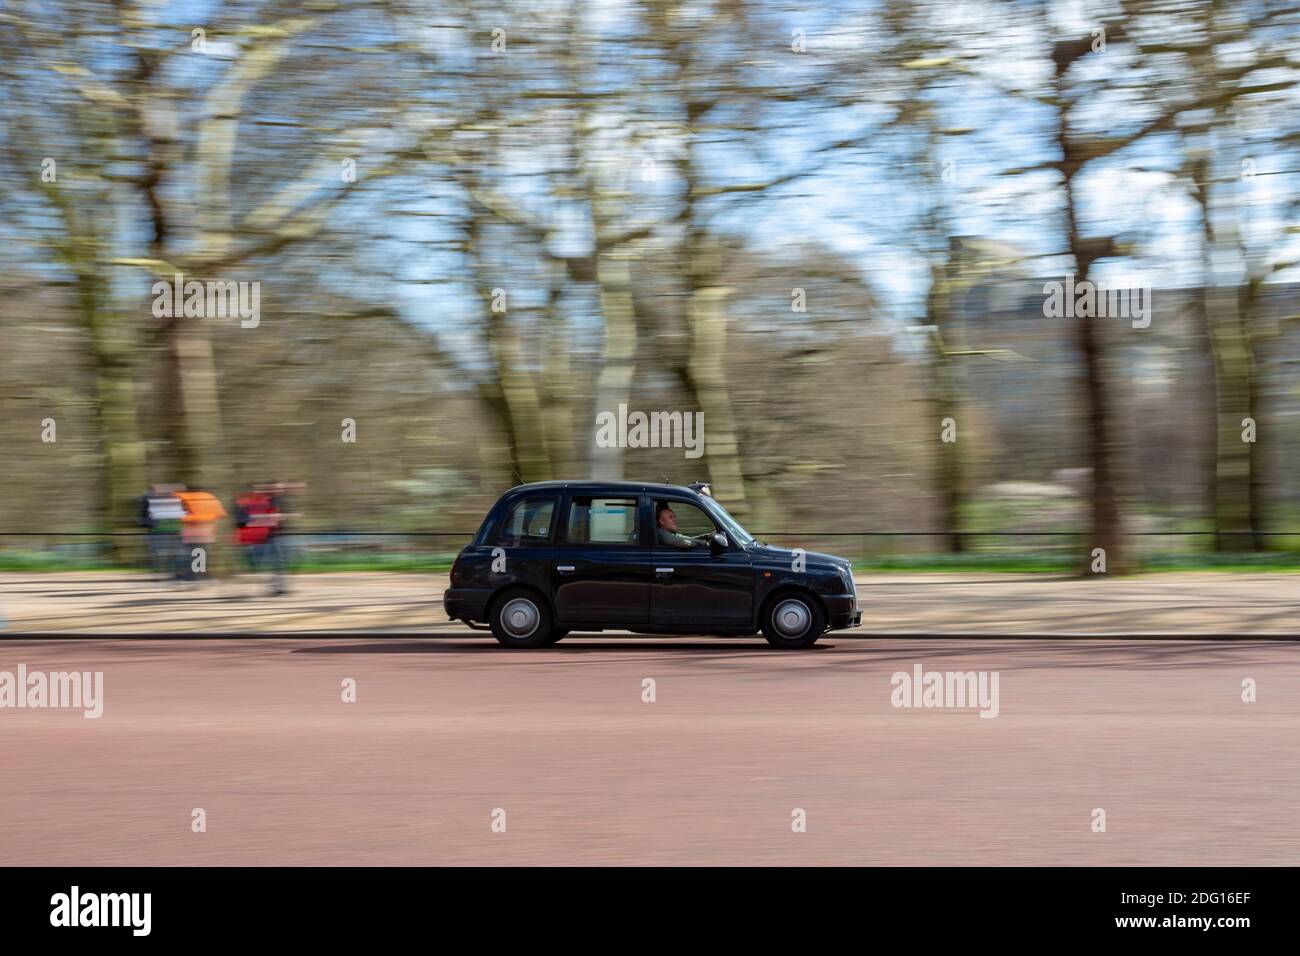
(733, 527)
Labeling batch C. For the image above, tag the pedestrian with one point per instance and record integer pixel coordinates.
(253, 523)
(199, 531)
(278, 548)
(162, 513)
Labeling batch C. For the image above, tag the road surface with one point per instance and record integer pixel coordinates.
(447, 730)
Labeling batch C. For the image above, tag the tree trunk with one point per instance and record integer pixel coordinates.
(1230, 387)
(1257, 391)
(706, 371)
(1106, 532)
(1203, 316)
(943, 392)
(122, 452)
(558, 391)
(1233, 480)
(192, 420)
(618, 359)
(522, 404)
(705, 367)
(513, 392)
(614, 281)
(948, 466)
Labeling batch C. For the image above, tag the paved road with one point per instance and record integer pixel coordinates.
(443, 733)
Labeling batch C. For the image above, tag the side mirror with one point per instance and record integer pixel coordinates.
(719, 540)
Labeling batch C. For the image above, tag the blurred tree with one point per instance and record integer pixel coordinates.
(1227, 87)
(64, 140)
(716, 93)
(108, 80)
(913, 67)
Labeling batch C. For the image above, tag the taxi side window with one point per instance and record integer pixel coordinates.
(528, 523)
(691, 519)
(602, 521)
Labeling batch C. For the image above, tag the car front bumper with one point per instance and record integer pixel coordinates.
(842, 612)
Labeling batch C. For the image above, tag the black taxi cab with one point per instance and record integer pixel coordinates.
(561, 556)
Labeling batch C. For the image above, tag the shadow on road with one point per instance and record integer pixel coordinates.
(586, 647)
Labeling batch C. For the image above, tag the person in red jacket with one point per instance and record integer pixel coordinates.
(253, 518)
(259, 520)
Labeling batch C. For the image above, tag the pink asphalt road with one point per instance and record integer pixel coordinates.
(738, 739)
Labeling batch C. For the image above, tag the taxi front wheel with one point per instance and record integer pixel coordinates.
(792, 621)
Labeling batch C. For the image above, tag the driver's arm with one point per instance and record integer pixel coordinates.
(674, 540)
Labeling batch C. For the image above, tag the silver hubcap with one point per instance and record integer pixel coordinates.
(520, 617)
(792, 618)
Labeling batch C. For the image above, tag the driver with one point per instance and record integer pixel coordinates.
(666, 532)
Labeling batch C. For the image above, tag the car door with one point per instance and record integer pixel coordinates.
(600, 567)
(701, 586)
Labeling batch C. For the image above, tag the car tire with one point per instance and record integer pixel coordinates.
(520, 619)
(793, 620)
(557, 634)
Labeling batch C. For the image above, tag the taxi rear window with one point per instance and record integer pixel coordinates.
(528, 522)
(594, 520)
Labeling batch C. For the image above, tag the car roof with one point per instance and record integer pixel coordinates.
(595, 485)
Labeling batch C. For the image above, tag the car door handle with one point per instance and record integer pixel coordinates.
(663, 571)
(565, 568)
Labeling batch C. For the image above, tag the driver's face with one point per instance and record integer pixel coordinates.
(668, 519)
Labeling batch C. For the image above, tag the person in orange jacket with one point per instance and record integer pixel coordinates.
(199, 527)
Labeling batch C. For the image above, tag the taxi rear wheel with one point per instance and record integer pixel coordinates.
(521, 619)
(793, 620)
